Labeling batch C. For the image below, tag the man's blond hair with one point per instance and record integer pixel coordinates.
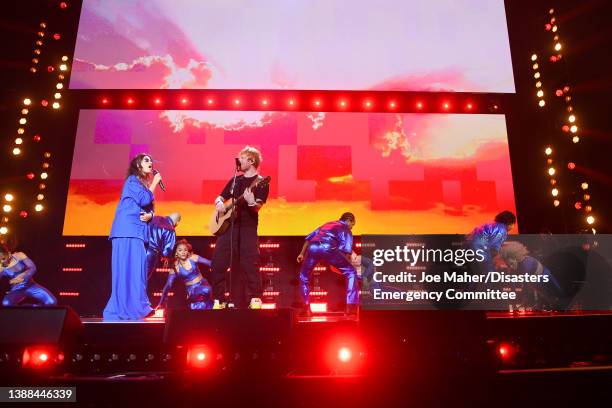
(253, 154)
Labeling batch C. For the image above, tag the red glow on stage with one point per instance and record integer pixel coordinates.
(345, 354)
(157, 101)
(419, 105)
(446, 106)
(268, 306)
(105, 101)
(236, 101)
(548, 27)
(342, 104)
(130, 101)
(578, 205)
(198, 356)
(559, 92)
(184, 101)
(318, 307)
(469, 106)
(39, 357)
(63, 5)
(505, 351)
(317, 103)
(367, 104)
(210, 101)
(56, 36)
(571, 165)
(23, 214)
(75, 245)
(565, 128)
(392, 105)
(291, 102)
(50, 69)
(264, 102)
(44, 103)
(36, 138)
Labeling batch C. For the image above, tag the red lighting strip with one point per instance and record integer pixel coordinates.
(76, 245)
(269, 269)
(270, 294)
(70, 294)
(72, 269)
(320, 293)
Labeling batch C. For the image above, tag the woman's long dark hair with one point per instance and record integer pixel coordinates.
(135, 168)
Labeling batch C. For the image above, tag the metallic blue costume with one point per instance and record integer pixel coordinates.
(28, 289)
(162, 238)
(330, 243)
(129, 300)
(199, 292)
(488, 237)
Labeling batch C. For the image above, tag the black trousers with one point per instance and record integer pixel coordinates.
(245, 278)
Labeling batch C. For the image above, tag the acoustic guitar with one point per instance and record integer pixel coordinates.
(220, 222)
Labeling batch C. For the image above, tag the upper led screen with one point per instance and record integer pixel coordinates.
(416, 45)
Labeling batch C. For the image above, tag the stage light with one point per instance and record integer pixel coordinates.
(30, 176)
(35, 60)
(130, 101)
(551, 171)
(33, 70)
(538, 84)
(27, 101)
(536, 75)
(18, 141)
(40, 197)
(63, 5)
(264, 102)
(210, 101)
(559, 92)
(16, 151)
(590, 220)
(554, 29)
(556, 203)
(23, 213)
(47, 155)
(56, 36)
(549, 161)
(540, 93)
(566, 88)
(37, 51)
(3, 230)
(157, 101)
(565, 128)
(184, 101)
(584, 186)
(44, 175)
(24, 111)
(555, 192)
(64, 58)
(38, 207)
(318, 307)
(469, 106)
(568, 98)
(56, 105)
(547, 26)
(368, 104)
(38, 357)
(419, 105)
(551, 11)
(60, 77)
(291, 102)
(7, 208)
(570, 109)
(553, 182)
(63, 67)
(446, 105)
(199, 356)
(42, 186)
(541, 103)
(317, 103)
(571, 165)
(586, 197)
(50, 69)
(575, 139)
(57, 95)
(392, 105)
(588, 208)
(268, 306)
(342, 103)
(59, 85)
(236, 101)
(23, 121)
(8, 197)
(505, 351)
(105, 101)
(548, 151)
(574, 129)
(534, 57)
(43, 25)
(20, 131)
(557, 46)
(344, 354)
(578, 205)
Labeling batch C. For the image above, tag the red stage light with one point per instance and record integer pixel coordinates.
(317, 103)
(63, 5)
(38, 357)
(56, 36)
(44, 103)
(506, 351)
(446, 105)
(130, 101)
(23, 214)
(199, 356)
(50, 69)
(157, 101)
(344, 354)
(291, 102)
(578, 205)
(469, 106)
(36, 138)
(184, 101)
(210, 101)
(559, 92)
(565, 128)
(548, 27)
(343, 104)
(264, 102)
(419, 105)
(392, 105)
(368, 104)
(571, 165)
(105, 101)
(30, 176)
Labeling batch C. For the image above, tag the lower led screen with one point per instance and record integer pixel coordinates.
(398, 173)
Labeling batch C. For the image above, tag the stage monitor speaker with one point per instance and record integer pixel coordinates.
(39, 325)
(231, 327)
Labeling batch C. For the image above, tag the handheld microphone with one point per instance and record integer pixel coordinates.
(161, 183)
(237, 161)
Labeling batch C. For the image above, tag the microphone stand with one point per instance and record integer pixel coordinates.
(232, 218)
